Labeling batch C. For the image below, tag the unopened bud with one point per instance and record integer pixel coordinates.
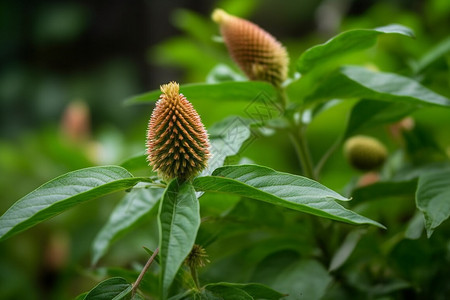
(257, 53)
(76, 122)
(177, 141)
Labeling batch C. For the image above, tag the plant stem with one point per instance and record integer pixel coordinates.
(144, 270)
(283, 98)
(195, 276)
(159, 185)
(299, 141)
(326, 156)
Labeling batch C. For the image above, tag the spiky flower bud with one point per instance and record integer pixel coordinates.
(177, 142)
(257, 53)
(197, 258)
(365, 153)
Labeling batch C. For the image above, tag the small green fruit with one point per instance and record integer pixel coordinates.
(365, 153)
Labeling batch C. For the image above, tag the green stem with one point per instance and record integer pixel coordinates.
(299, 141)
(326, 156)
(283, 98)
(195, 276)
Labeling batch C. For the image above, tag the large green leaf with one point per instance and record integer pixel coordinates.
(243, 98)
(368, 113)
(179, 220)
(224, 91)
(113, 288)
(359, 82)
(218, 291)
(133, 208)
(306, 279)
(62, 193)
(344, 43)
(254, 290)
(433, 198)
(383, 189)
(286, 190)
(226, 138)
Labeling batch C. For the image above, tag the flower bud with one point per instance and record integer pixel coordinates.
(365, 153)
(197, 258)
(177, 142)
(75, 123)
(257, 53)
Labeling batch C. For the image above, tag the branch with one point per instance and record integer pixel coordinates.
(144, 270)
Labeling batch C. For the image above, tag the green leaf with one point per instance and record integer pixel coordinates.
(62, 193)
(282, 189)
(133, 208)
(179, 220)
(303, 280)
(415, 226)
(228, 98)
(138, 297)
(223, 73)
(359, 82)
(344, 43)
(254, 290)
(368, 113)
(345, 250)
(408, 173)
(188, 295)
(220, 291)
(226, 138)
(224, 91)
(81, 296)
(389, 287)
(383, 189)
(432, 198)
(113, 288)
(137, 162)
(197, 25)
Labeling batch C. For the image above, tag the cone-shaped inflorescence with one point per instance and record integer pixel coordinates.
(257, 53)
(177, 142)
(365, 153)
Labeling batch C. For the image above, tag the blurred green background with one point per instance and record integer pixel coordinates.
(67, 66)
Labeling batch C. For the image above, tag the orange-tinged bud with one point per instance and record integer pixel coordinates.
(368, 179)
(257, 53)
(177, 141)
(75, 122)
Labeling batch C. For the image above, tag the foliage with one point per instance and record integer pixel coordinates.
(329, 233)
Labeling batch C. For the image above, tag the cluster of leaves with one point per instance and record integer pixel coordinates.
(284, 252)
